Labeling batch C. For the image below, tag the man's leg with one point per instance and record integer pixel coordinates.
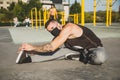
(60, 54)
(26, 24)
(98, 56)
(15, 25)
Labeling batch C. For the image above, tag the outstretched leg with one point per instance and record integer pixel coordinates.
(59, 54)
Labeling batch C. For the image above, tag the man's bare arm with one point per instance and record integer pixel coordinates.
(52, 46)
(43, 48)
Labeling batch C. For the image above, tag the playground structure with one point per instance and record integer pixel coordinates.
(108, 4)
(39, 17)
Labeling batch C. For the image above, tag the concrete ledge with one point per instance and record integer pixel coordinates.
(22, 34)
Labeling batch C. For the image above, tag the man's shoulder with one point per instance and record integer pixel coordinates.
(68, 27)
(71, 25)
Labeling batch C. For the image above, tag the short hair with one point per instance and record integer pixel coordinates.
(48, 22)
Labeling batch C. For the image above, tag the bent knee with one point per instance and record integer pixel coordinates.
(99, 59)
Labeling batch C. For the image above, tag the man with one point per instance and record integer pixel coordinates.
(52, 12)
(15, 20)
(27, 22)
(78, 40)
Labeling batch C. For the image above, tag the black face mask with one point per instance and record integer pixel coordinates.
(55, 32)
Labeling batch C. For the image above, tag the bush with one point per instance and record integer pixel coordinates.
(6, 24)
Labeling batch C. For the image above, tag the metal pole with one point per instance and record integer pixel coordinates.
(110, 5)
(82, 12)
(45, 16)
(40, 18)
(69, 10)
(77, 18)
(36, 18)
(64, 17)
(74, 18)
(32, 17)
(94, 20)
(107, 10)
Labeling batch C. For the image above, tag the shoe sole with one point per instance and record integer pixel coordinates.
(72, 54)
(19, 56)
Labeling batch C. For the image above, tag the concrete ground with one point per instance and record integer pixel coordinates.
(11, 38)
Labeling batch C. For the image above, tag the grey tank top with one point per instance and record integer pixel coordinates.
(87, 40)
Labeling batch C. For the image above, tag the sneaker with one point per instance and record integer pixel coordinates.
(72, 56)
(23, 57)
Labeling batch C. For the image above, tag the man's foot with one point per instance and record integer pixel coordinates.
(72, 56)
(23, 57)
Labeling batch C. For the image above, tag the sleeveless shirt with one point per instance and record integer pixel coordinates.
(87, 40)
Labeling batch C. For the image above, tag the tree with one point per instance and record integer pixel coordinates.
(21, 10)
(11, 7)
(34, 3)
(101, 16)
(3, 10)
(115, 17)
(18, 11)
(75, 8)
(88, 17)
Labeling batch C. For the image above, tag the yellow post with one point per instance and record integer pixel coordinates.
(110, 5)
(45, 12)
(36, 18)
(40, 19)
(34, 12)
(107, 12)
(82, 13)
(94, 18)
(63, 18)
(32, 17)
(74, 18)
(77, 18)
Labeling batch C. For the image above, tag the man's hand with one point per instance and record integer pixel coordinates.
(26, 47)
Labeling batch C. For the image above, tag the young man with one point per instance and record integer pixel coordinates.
(15, 20)
(27, 22)
(78, 40)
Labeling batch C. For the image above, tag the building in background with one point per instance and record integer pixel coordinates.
(6, 3)
(25, 1)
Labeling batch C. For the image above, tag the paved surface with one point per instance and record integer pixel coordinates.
(61, 69)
